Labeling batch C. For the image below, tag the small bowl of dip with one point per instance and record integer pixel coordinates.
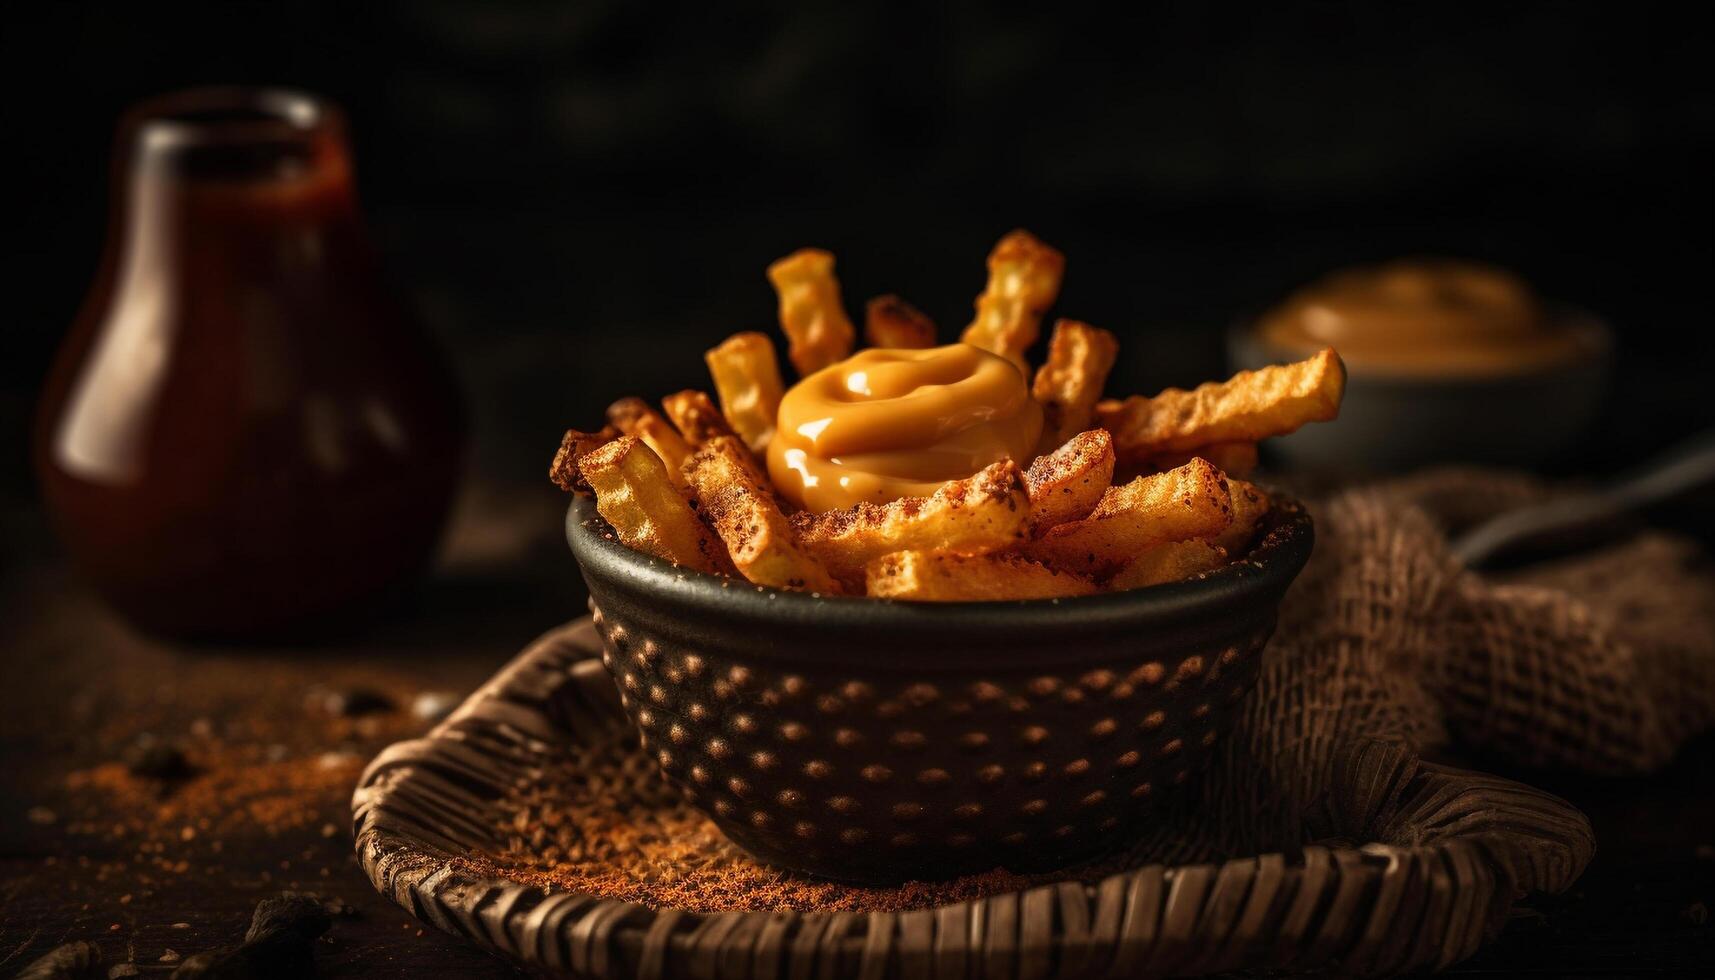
(1448, 361)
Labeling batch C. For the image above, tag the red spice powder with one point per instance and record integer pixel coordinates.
(602, 822)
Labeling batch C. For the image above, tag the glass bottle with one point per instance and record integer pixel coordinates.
(245, 430)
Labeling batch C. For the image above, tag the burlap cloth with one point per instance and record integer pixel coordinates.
(1603, 663)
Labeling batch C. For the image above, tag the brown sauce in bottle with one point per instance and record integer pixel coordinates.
(244, 429)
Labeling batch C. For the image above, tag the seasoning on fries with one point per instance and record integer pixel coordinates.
(564, 469)
(1189, 502)
(1068, 483)
(1168, 562)
(939, 576)
(984, 513)
(747, 381)
(648, 513)
(1250, 506)
(922, 491)
(1249, 406)
(695, 416)
(889, 321)
(735, 500)
(811, 314)
(1069, 383)
(1233, 458)
(1024, 279)
(634, 417)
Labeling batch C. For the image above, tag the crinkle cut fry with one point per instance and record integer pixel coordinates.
(648, 513)
(564, 469)
(1234, 459)
(694, 414)
(734, 498)
(812, 314)
(928, 576)
(1251, 504)
(889, 321)
(1070, 381)
(1168, 562)
(1247, 407)
(634, 417)
(1024, 280)
(1068, 483)
(747, 382)
(985, 512)
(1189, 502)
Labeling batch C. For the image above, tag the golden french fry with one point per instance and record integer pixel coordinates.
(1024, 279)
(811, 313)
(732, 493)
(1250, 505)
(695, 416)
(1249, 406)
(1168, 562)
(1070, 381)
(889, 321)
(747, 381)
(648, 513)
(1232, 458)
(1189, 502)
(1066, 484)
(564, 470)
(927, 576)
(634, 417)
(985, 512)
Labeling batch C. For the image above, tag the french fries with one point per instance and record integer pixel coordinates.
(1024, 279)
(648, 513)
(927, 576)
(1249, 406)
(1234, 459)
(811, 314)
(986, 512)
(747, 381)
(889, 321)
(733, 495)
(1250, 505)
(1189, 502)
(695, 490)
(1066, 484)
(1168, 562)
(1069, 383)
(564, 469)
(694, 414)
(634, 417)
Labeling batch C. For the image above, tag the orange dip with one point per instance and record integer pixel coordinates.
(1424, 316)
(885, 423)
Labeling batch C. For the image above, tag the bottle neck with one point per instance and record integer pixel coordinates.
(233, 163)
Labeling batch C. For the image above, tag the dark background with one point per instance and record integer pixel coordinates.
(563, 187)
(581, 197)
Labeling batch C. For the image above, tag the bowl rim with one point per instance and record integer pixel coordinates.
(980, 628)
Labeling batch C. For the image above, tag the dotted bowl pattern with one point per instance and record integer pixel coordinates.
(887, 776)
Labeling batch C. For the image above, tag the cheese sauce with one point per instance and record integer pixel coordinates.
(889, 423)
(1427, 316)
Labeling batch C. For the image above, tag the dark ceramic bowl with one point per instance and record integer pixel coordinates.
(1396, 422)
(879, 741)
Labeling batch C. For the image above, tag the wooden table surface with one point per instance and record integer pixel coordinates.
(80, 684)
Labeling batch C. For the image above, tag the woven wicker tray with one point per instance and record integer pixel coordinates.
(1437, 858)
